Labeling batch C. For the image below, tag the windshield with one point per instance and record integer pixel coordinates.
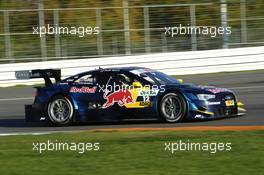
(155, 77)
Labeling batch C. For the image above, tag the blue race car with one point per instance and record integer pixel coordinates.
(128, 93)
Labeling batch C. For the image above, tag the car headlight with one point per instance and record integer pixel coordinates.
(205, 96)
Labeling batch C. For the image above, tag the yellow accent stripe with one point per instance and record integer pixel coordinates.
(241, 109)
(240, 104)
(206, 112)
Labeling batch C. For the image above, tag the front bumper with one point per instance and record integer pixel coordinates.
(210, 115)
(35, 113)
(216, 108)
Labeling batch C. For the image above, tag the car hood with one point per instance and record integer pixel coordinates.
(202, 89)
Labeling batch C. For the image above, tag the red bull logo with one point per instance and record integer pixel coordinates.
(120, 97)
(83, 90)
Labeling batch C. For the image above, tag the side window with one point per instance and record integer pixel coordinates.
(121, 80)
(114, 80)
(88, 79)
(103, 78)
(136, 78)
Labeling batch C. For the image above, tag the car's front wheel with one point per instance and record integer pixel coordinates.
(173, 107)
(60, 110)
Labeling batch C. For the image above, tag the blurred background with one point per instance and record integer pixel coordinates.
(127, 27)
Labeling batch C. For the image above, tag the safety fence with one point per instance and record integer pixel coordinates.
(126, 27)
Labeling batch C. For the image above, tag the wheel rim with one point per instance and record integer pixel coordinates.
(171, 108)
(60, 110)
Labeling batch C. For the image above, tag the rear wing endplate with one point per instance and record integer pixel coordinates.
(46, 74)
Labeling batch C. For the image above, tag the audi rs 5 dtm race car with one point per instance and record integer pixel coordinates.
(115, 94)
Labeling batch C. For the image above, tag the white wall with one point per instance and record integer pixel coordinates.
(174, 63)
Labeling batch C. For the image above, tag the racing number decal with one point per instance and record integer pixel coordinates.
(146, 98)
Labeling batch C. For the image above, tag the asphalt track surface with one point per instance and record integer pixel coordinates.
(248, 86)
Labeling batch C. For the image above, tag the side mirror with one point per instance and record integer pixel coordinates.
(137, 84)
(180, 81)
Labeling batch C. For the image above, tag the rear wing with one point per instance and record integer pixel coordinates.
(46, 74)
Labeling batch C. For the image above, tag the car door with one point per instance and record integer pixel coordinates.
(113, 89)
(145, 98)
(85, 91)
(121, 98)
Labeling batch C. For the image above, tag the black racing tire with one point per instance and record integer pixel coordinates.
(173, 107)
(60, 111)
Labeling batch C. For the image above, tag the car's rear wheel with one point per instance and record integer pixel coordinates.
(60, 110)
(173, 107)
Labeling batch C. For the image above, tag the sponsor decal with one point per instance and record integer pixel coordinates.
(145, 103)
(230, 103)
(83, 90)
(217, 90)
(127, 96)
(64, 83)
(148, 93)
(213, 103)
(228, 97)
(120, 97)
(199, 116)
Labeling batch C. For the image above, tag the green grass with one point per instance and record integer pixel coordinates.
(135, 153)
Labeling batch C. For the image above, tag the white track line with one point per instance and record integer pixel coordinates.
(20, 134)
(17, 99)
(37, 133)
(247, 87)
